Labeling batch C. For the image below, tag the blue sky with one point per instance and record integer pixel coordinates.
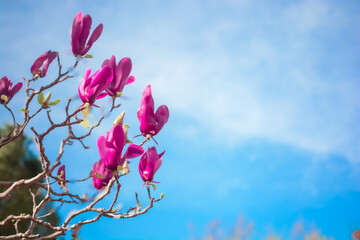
(263, 98)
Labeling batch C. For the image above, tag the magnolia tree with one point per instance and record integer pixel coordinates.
(114, 147)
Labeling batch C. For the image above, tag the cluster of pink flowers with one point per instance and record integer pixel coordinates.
(110, 80)
(111, 146)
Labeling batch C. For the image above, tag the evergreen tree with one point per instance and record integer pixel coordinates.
(18, 162)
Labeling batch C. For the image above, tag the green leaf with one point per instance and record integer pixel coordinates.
(23, 214)
(99, 175)
(23, 110)
(53, 103)
(47, 98)
(154, 187)
(4, 98)
(162, 195)
(118, 94)
(40, 98)
(85, 123)
(88, 56)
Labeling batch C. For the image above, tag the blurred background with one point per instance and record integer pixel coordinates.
(264, 110)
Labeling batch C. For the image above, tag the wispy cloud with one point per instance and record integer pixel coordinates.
(291, 79)
(239, 70)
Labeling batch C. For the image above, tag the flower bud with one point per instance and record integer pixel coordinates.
(61, 176)
(150, 122)
(150, 162)
(80, 32)
(101, 175)
(7, 91)
(120, 119)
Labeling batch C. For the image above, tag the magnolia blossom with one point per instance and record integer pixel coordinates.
(43, 61)
(149, 163)
(91, 88)
(101, 175)
(61, 176)
(150, 122)
(80, 33)
(7, 91)
(121, 74)
(111, 147)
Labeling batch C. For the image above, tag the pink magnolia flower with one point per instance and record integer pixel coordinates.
(43, 61)
(80, 32)
(121, 75)
(7, 89)
(111, 147)
(101, 175)
(61, 176)
(90, 88)
(150, 122)
(149, 163)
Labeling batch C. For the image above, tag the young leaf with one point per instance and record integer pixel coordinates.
(53, 103)
(154, 187)
(4, 98)
(162, 195)
(88, 56)
(99, 175)
(85, 123)
(23, 110)
(40, 98)
(47, 98)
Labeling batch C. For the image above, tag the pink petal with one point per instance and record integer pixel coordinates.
(122, 72)
(161, 117)
(85, 31)
(14, 90)
(113, 157)
(87, 73)
(161, 154)
(157, 165)
(143, 161)
(145, 113)
(102, 95)
(101, 143)
(133, 151)
(51, 57)
(112, 85)
(75, 34)
(82, 93)
(94, 36)
(117, 136)
(131, 79)
(39, 62)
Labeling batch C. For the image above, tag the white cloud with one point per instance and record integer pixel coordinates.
(244, 71)
(239, 85)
